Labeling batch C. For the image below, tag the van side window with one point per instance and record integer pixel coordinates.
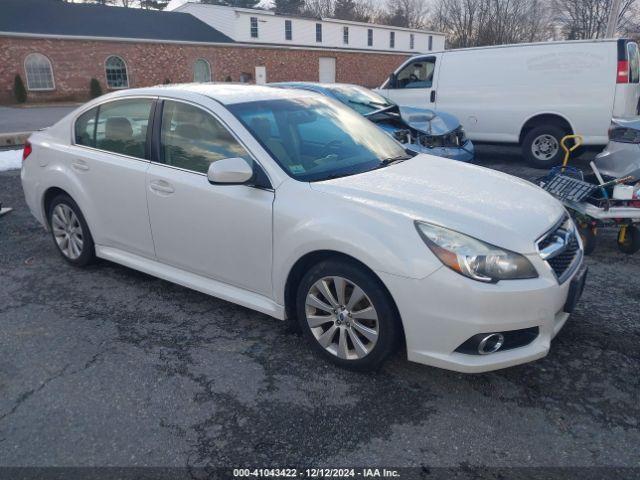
(634, 62)
(417, 74)
(122, 127)
(193, 139)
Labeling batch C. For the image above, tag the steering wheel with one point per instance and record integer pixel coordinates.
(413, 77)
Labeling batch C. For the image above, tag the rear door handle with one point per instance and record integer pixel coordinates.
(80, 165)
(161, 186)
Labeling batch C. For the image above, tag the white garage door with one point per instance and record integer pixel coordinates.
(327, 73)
(261, 75)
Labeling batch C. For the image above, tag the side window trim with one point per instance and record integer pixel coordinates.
(98, 106)
(157, 138)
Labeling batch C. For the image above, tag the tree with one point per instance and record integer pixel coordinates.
(95, 90)
(354, 10)
(470, 23)
(288, 6)
(18, 89)
(585, 19)
(406, 13)
(318, 8)
(154, 4)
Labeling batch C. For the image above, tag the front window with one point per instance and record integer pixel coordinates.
(345, 35)
(288, 31)
(39, 72)
(362, 100)
(318, 32)
(315, 139)
(192, 139)
(116, 72)
(392, 39)
(254, 27)
(417, 74)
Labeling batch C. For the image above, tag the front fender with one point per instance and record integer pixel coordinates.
(307, 221)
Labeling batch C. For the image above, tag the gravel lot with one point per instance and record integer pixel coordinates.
(111, 367)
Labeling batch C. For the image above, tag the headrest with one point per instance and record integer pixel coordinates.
(118, 128)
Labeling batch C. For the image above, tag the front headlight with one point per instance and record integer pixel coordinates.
(474, 258)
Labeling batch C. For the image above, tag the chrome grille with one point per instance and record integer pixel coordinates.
(561, 249)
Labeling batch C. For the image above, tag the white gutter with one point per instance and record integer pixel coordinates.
(211, 44)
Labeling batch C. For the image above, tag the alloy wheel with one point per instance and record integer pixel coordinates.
(342, 318)
(67, 231)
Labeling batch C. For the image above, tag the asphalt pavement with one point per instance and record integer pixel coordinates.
(106, 366)
(30, 118)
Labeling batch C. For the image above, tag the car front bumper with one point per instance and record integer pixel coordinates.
(443, 310)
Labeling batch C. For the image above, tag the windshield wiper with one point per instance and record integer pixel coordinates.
(369, 104)
(390, 161)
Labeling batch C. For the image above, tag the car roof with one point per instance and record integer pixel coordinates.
(319, 85)
(225, 93)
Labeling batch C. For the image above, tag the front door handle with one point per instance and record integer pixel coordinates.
(161, 186)
(80, 165)
(433, 96)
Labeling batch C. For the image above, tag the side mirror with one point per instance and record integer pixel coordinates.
(230, 171)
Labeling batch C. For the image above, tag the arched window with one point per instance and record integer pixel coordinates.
(201, 71)
(116, 71)
(39, 72)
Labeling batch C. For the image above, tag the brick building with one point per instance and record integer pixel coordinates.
(57, 48)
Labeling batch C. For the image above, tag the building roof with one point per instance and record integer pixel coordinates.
(58, 18)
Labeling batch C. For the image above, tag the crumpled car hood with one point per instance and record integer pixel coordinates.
(495, 207)
(430, 122)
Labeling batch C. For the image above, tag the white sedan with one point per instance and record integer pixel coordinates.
(294, 205)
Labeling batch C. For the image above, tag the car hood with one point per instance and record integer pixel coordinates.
(430, 122)
(494, 207)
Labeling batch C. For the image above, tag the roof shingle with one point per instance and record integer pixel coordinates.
(55, 17)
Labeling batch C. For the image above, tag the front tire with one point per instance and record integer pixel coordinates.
(541, 146)
(347, 315)
(70, 231)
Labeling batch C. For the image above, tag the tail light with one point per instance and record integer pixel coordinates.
(27, 150)
(623, 71)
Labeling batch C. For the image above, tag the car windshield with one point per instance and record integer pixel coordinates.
(362, 100)
(314, 138)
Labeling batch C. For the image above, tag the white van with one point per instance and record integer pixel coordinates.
(529, 94)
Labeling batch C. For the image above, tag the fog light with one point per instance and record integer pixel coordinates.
(491, 343)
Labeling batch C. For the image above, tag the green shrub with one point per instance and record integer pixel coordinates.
(18, 90)
(95, 90)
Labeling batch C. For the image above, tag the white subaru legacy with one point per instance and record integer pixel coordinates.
(294, 205)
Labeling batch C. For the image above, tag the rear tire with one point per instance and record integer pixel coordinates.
(631, 243)
(70, 231)
(354, 324)
(541, 146)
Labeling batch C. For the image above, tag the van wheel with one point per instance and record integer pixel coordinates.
(347, 315)
(541, 146)
(70, 231)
